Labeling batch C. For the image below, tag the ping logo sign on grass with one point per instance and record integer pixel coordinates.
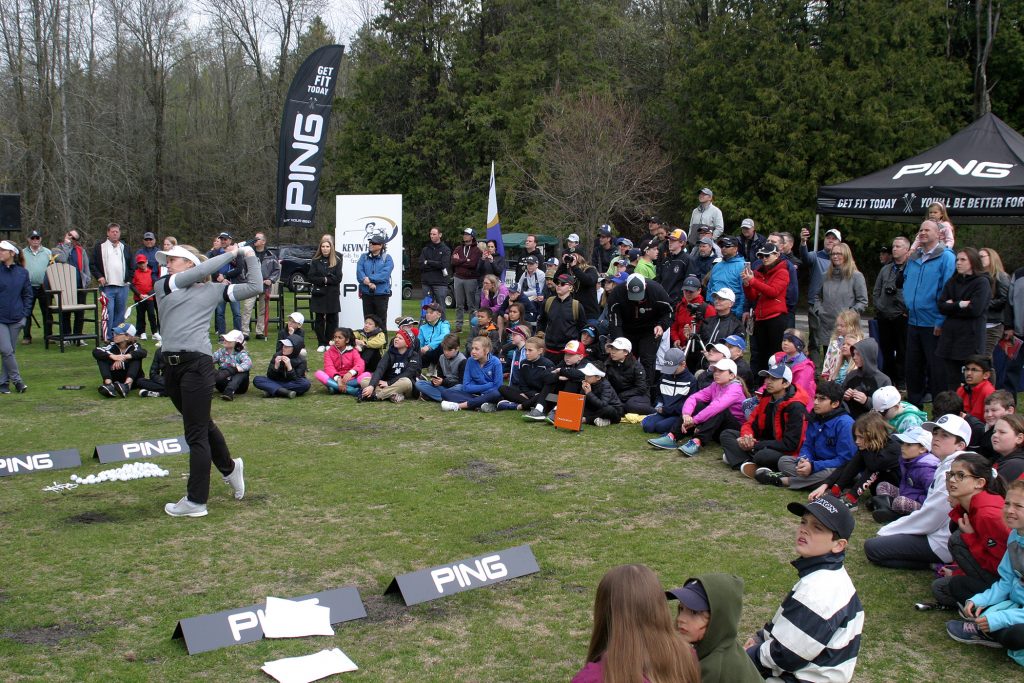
(245, 624)
(463, 575)
(39, 462)
(130, 450)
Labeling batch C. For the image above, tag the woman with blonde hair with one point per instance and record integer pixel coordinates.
(634, 638)
(998, 307)
(325, 295)
(846, 332)
(843, 288)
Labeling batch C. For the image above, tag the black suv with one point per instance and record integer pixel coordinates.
(294, 260)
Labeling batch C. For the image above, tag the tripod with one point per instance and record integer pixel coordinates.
(695, 346)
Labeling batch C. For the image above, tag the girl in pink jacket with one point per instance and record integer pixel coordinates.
(343, 366)
(712, 410)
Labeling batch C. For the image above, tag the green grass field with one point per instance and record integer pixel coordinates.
(340, 493)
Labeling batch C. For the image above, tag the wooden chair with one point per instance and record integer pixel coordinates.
(276, 304)
(61, 287)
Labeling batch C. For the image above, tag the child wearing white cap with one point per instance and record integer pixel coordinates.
(602, 406)
(120, 362)
(714, 409)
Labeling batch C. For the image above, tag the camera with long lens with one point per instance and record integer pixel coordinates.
(697, 311)
(569, 259)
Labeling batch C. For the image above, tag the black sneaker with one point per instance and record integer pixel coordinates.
(4, 389)
(765, 475)
(106, 390)
(227, 397)
(121, 388)
(21, 387)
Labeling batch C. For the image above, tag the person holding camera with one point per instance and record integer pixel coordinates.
(691, 311)
(891, 311)
(575, 263)
(765, 288)
(491, 262)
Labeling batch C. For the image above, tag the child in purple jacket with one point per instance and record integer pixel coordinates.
(715, 408)
(917, 470)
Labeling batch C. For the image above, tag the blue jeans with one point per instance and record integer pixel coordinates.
(236, 317)
(117, 299)
(431, 392)
(299, 386)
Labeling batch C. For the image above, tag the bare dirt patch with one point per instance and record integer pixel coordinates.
(383, 608)
(48, 635)
(476, 471)
(92, 518)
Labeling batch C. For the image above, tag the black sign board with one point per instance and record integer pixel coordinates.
(39, 462)
(244, 624)
(447, 579)
(133, 450)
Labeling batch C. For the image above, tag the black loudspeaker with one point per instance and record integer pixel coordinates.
(10, 212)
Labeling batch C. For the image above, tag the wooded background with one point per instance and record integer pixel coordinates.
(594, 110)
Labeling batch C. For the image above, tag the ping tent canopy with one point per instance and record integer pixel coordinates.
(978, 174)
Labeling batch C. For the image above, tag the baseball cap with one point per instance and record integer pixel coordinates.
(720, 347)
(125, 328)
(672, 358)
(434, 306)
(565, 279)
(298, 318)
(768, 249)
(728, 241)
(287, 341)
(224, 234)
(530, 259)
(589, 329)
(705, 228)
(654, 219)
(778, 371)
(635, 287)
(725, 364)
(885, 249)
(954, 424)
(34, 234)
(176, 250)
(590, 370)
(676, 234)
(404, 320)
(140, 258)
(885, 398)
(707, 191)
(650, 244)
(832, 231)
(692, 594)
(916, 435)
(468, 231)
(726, 293)
(747, 223)
(575, 348)
(829, 511)
(691, 284)
(235, 336)
(633, 254)
(737, 341)
(551, 261)
(148, 236)
(377, 239)
(621, 343)
(605, 230)
(573, 237)
(706, 240)
(624, 240)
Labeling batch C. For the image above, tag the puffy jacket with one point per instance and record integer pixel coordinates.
(780, 425)
(339, 364)
(974, 397)
(829, 441)
(378, 269)
(910, 416)
(767, 290)
(627, 377)
(922, 284)
(602, 395)
(804, 374)
(718, 397)
(916, 476)
(726, 273)
(988, 542)
(479, 379)
(494, 301)
(16, 295)
(963, 332)
(534, 374)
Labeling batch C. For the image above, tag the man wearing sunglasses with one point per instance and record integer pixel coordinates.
(70, 250)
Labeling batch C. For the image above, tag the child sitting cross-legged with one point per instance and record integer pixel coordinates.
(601, 405)
(514, 353)
(828, 444)
(713, 409)
(120, 362)
(565, 376)
(917, 471)
(527, 379)
(481, 375)
(450, 365)
(675, 386)
(286, 374)
(627, 376)
(995, 617)
(343, 366)
(815, 633)
(231, 363)
(876, 461)
(393, 378)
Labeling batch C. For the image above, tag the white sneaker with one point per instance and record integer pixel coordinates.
(185, 508)
(236, 480)
(449, 406)
(156, 336)
(601, 422)
(143, 336)
(321, 349)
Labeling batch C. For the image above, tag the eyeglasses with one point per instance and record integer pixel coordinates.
(959, 476)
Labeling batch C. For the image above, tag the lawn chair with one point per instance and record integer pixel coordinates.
(61, 288)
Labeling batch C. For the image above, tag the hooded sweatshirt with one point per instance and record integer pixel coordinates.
(916, 476)
(722, 659)
(718, 397)
(867, 378)
(1011, 466)
(910, 416)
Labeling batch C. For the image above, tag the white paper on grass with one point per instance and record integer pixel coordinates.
(295, 619)
(311, 667)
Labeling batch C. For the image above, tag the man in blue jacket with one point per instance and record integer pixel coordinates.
(726, 273)
(828, 444)
(925, 274)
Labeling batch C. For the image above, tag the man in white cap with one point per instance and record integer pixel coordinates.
(750, 240)
(15, 307)
(465, 259)
(708, 214)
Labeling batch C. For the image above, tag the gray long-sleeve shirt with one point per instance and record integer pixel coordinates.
(185, 303)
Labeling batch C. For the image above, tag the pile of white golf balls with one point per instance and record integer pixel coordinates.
(126, 472)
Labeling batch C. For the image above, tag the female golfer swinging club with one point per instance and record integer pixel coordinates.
(186, 299)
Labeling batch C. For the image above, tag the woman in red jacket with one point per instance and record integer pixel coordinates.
(765, 288)
(980, 542)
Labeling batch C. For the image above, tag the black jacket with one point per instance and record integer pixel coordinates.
(716, 329)
(671, 273)
(963, 332)
(867, 378)
(394, 365)
(533, 375)
(633, 319)
(627, 377)
(495, 267)
(327, 282)
(435, 261)
(699, 266)
(602, 395)
(602, 258)
(279, 374)
(557, 322)
(585, 289)
(1011, 466)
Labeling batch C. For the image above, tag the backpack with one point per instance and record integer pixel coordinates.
(577, 309)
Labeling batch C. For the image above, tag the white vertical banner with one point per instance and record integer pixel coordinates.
(360, 217)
